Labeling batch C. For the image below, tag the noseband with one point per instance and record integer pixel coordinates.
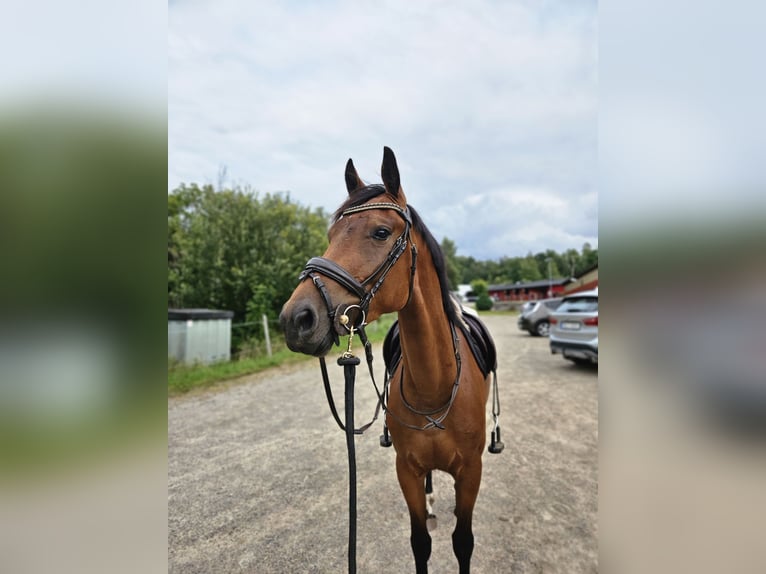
(331, 270)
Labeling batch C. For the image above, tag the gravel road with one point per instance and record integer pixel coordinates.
(257, 475)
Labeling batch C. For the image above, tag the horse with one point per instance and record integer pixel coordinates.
(381, 259)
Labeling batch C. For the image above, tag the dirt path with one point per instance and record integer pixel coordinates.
(257, 476)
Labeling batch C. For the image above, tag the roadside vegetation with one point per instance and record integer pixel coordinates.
(184, 378)
(237, 250)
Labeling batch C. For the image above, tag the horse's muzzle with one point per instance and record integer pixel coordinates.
(307, 330)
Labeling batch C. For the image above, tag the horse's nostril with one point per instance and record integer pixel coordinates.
(305, 320)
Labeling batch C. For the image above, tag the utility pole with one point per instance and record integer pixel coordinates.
(550, 278)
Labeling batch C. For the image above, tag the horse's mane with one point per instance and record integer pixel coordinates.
(363, 195)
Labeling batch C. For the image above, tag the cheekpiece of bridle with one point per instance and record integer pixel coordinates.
(331, 270)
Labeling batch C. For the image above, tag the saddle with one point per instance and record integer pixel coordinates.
(476, 335)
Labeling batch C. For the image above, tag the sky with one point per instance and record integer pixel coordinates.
(490, 108)
(681, 122)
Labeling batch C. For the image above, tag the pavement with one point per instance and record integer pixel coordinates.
(258, 475)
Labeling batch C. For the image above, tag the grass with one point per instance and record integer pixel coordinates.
(184, 378)
(503, 312)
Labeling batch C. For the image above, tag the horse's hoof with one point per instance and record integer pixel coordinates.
(431, 523)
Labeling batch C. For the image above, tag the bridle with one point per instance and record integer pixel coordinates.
(337, 273)
(333, 271)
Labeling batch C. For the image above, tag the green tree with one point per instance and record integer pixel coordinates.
(483, 300)
(236, 250)
(571, 262)
(588, 259)
(549, 258)
(468, 268)
(453, 265)
(479, 287)
(529, 269)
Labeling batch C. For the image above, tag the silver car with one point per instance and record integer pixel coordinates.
(574, 328)
(534, 316)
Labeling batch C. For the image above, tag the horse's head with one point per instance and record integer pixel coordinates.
(365, 271)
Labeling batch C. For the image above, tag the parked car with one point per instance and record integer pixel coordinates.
(526, 306)
(534, 316)
(574, 328)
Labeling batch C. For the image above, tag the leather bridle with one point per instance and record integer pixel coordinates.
(331, 270)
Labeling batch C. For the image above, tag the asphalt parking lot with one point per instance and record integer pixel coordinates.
(257, 475)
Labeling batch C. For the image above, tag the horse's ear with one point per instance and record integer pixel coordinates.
(390, 172)
(353, 181)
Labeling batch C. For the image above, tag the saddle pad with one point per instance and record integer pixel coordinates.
(475, 333)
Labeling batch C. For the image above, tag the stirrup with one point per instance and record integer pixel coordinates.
(385, 438)
(496, 446)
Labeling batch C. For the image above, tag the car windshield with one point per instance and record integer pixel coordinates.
(579, 305)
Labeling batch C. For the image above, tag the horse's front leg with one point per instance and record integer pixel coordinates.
(412, 485)
(466, 491)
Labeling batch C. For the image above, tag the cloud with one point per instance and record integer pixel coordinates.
(472, 97)
(515, 221)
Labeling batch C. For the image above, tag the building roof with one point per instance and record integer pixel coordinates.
(198, 314)
(588, 270)
(530, 284)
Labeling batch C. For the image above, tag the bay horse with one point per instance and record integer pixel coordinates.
(381, 258)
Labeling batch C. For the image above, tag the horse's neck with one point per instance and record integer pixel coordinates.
(428, 353)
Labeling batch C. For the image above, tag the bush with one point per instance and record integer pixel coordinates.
(483, 302)
(479, 286)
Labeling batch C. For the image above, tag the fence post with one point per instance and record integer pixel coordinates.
(266, 334)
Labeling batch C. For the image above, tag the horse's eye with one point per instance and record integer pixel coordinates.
(381, 234)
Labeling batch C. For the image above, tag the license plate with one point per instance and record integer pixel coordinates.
(570, 325)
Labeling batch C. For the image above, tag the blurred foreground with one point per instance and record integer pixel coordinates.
(82, 392)
(682, 215)
(683, 404)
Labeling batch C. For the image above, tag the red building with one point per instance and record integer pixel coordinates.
(542, 289)
(585, 281)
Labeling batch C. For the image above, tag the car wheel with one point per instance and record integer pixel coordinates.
(541, 329)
